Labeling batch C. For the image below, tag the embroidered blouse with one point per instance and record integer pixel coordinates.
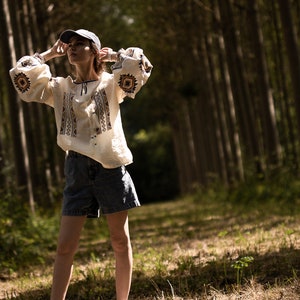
(87, 115)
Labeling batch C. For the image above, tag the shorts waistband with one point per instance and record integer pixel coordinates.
(72, 153)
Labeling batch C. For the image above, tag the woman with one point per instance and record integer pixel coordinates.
(89, 129)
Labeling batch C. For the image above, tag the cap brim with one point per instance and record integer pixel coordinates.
(66, 36)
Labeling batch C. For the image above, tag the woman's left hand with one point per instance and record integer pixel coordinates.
(107, 54)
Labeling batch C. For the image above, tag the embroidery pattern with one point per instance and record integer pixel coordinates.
(22, 82)
(68, 119)
(127, 83)
(102, 111)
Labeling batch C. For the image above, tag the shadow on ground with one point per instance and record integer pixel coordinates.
(189, 281)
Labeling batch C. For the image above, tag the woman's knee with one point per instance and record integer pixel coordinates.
(119, 232)
(66, 248)
(69, 234)
(120, 243)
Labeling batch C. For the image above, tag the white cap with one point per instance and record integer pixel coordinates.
(67, 34)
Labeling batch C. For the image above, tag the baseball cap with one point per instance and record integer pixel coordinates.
(67, 34)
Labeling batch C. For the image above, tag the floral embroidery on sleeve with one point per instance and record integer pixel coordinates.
(22, 82)
(127, 83)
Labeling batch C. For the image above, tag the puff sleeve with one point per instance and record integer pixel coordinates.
(131, 71)
(31, 79)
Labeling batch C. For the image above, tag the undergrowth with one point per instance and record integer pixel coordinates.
(25, 239)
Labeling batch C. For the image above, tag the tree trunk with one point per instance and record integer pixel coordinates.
(292, 52)
(289, 126)
(236, 168)
(8, 59)
(265, 98)
(12, 29)
(239, 87)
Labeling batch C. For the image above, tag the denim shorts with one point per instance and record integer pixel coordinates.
(91, 189)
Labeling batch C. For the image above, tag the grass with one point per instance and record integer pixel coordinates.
(192, 248)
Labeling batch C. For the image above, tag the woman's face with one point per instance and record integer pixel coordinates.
(80, 51)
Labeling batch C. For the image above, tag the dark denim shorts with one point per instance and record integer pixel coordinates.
(91, 189)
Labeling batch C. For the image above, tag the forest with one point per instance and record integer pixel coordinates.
(221, 108)
(222, 104)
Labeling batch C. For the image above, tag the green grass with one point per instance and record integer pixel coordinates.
(205, 246)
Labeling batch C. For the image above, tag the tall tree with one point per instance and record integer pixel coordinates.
(293, 53)
(8, 59)
(235, 167)
(288, 125)
(239, 85)
(264, 94)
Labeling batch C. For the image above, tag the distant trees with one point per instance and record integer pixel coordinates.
(225, 81)
(29, 135)
(231, 86)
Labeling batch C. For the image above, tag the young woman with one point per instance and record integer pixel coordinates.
(89, 129)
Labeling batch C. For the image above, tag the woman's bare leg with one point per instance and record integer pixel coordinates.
(68, 240)
(120, 239)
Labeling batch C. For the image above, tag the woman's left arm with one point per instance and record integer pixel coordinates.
(131, 69)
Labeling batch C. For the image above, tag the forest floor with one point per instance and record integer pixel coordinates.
(189, 248)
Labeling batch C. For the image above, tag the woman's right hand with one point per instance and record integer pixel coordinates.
(58, 49)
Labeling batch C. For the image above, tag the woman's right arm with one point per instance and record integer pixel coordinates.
(31, 76)
(58, 49)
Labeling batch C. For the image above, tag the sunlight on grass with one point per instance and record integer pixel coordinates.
(190, 248)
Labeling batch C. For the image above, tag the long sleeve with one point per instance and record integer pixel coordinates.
(31, 79)
(131, 71)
